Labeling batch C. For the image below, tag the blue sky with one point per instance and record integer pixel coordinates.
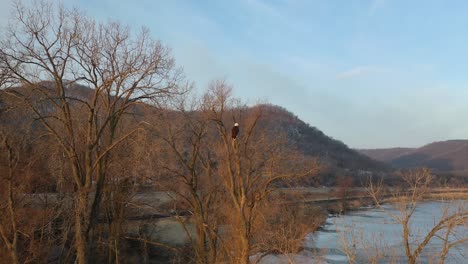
(371, 73)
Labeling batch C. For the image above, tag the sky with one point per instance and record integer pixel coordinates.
(371, 73)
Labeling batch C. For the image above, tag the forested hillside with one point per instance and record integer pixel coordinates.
(275, 122)
(445, 157)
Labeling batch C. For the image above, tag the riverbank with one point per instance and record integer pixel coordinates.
(371, 234)
(151, 220)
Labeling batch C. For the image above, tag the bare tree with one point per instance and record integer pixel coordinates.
(49, 52)
(250, 166)
(450, 235)
(344, 184)
(282, 227)
(406, 203)
(191, 170)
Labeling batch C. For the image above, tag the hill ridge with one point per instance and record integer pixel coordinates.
(446, 156)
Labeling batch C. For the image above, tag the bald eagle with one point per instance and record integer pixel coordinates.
(235, 131)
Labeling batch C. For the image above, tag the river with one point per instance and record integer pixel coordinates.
(373, 233)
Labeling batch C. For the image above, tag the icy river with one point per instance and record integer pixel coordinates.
(373, 234)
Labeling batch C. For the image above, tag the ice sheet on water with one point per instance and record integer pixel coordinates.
(336, 258)
(379, 231)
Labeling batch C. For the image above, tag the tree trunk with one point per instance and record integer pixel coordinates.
(81, 234)
(201, 244)
(244, 240)
(14, 256)
(244, 250)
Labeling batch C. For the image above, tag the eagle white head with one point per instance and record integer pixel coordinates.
(236, 124)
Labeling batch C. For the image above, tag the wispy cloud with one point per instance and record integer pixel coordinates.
(376, 5)
(358, 71)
